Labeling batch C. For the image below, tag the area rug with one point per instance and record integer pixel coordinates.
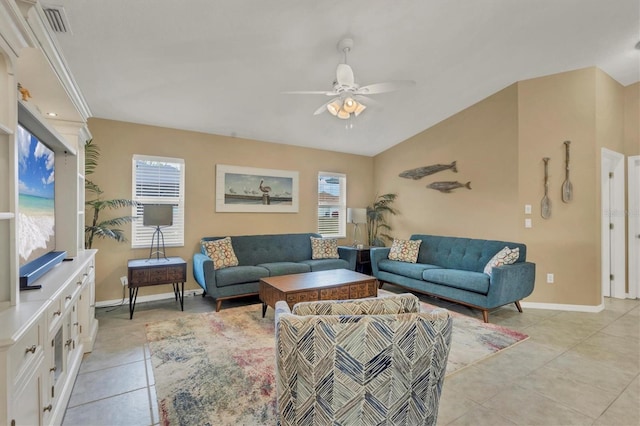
(217, 368)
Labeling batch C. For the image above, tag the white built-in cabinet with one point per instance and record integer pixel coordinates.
(45, 332)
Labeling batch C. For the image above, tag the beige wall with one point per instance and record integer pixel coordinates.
(632, 119)
(499, 144)
(119, 141)
(483, 140)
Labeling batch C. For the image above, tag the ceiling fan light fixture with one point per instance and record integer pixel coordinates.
(342, 114)
(333, 108)
(359, 109)
(349, 105)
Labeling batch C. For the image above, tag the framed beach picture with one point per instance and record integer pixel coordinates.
(249, 189)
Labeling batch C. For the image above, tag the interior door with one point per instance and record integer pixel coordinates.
(633, 237)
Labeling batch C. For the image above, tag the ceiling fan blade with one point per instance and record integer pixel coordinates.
(385, 87)
(344, 75)
(323, 108)
(310, 92)
(367, 100)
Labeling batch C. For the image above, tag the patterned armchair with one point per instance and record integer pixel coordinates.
(360, 362)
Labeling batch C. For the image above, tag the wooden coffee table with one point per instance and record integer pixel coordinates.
(335, 284)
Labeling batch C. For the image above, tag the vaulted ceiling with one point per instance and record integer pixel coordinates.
(221, 67)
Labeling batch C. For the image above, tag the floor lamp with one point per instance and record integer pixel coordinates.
(356, 217)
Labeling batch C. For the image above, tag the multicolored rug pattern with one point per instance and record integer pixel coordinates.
(217, 368)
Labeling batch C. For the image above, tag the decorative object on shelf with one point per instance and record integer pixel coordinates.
(348, 96)
(545, 204)
(567, 186)
(24, 93)
(377, 225)
(420, 172)
(448, 186)
(248, 189)
(356, 217)
(105, 228)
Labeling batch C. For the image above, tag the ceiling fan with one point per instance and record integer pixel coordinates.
(347, 95)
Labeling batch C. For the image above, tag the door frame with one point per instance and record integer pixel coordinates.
(633, 225)
(613, 244)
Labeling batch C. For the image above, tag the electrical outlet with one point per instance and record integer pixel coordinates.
(550, 278)
(527, 223)
(527, 209)
(124, 281)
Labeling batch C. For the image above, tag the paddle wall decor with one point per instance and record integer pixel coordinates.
(545, 204)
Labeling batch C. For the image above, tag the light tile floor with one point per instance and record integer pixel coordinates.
(575, 369)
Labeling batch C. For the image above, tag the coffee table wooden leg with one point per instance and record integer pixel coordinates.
(264, 309)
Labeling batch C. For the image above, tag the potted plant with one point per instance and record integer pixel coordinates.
(106, 228)
(377, 226)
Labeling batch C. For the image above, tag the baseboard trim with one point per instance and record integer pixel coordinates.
(149, 298)
(562, 307)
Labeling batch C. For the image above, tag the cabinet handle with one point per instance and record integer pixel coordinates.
(68, 343)
(79, 283)
(32, 349)
(48, 408)
(56, 313)
(52, 369)
(76, 323)
(68, 298)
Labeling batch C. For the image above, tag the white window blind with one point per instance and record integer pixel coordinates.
(158, 180)
(332, 204)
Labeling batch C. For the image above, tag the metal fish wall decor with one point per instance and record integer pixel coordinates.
(448, 186)
(421, 172)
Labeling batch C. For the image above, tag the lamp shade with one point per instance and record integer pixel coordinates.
(356, 215)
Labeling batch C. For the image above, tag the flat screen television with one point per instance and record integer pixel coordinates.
(36, 207)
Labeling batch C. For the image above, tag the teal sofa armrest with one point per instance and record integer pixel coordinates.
(350, 255)
(377, 254)
(511, 283)
(203, 271)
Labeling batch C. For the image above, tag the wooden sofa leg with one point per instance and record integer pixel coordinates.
(204, 293)
(517, 302)
(218, 305)
(485, 315)
(380, 284)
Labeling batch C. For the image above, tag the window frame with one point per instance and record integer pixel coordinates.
(141, 235)
(340, 206)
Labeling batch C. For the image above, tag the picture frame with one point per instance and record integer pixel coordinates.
(256, 190)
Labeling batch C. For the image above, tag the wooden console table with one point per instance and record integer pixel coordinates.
(147, 272)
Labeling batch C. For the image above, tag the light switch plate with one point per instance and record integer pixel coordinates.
(527, 209)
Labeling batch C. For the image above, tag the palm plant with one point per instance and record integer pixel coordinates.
(377, 226)
(108, 228)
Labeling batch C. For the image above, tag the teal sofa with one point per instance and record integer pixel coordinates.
(451, 268)
(261, 256)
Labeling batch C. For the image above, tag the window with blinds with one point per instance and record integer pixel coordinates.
(158, 180)
(332, 204)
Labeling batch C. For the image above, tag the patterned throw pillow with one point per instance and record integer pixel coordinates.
(405, 250)
(324, 248)
(221, 252)
(506, 256)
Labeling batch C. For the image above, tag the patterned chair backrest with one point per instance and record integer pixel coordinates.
(361, 369)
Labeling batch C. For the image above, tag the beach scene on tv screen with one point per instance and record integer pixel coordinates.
(36, 220)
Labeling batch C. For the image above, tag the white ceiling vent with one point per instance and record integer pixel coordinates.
(57, 18)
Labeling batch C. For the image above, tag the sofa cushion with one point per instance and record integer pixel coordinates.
(404, 250)
(239, 275)
(324, 248)
(221, 252)
(326, 264)
(477, 282)
(506, 256)
(411, 270)
(285, 268)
